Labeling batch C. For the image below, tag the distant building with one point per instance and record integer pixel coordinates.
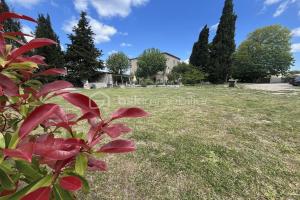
(172, 61)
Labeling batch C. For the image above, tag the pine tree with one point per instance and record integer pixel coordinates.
(223, 46)
(11, 25)
(82, 56)
(54, 56)
(200, 53)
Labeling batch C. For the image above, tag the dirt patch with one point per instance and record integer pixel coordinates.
(273, 87)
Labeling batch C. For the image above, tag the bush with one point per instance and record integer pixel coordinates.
(41, 153)
(146, 82)
(187, 74)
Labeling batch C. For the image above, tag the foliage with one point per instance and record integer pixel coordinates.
(146, 82)
(117, 63)
(200, 53)
(150, 63)
(53, 55)
(187, 74)
(11, 25)
(82, 56)
(42, 154)
(266, 52)
(223, 46)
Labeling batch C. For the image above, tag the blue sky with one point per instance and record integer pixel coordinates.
(170, 25)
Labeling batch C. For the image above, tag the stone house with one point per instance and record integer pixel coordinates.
(161, 77)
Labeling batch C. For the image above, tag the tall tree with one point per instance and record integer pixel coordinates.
(54, 56)
(150, 63)
(223, 46)
(10, 25)
(200, 53)
(266, 52)
(82, 57)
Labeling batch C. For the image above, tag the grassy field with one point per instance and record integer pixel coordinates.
(204, 143)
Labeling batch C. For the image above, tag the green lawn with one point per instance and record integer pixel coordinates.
(204, 143)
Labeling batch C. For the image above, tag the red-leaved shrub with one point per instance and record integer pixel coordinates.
(42, 156)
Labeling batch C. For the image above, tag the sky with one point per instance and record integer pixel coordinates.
(131, 26)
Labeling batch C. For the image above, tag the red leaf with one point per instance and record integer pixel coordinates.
(8, 86)
(118, 146)
(16, 34)
(33, 44)
(36, 59)
(8, 15)
(1, 91)
(23, 152)
(70, 183)
(54, 71)
(129, 113)
(61, 154)
(96, 165)
(39, 194)
(115, 130)
(83, 102)
(36, 117)
(54, 86)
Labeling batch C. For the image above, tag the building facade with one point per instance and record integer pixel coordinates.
(161, 77)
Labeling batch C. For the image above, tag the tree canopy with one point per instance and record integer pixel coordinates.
(151, 62)
(223, 46)
(82, 57)
(266, 52)
(117, 63)
(54, 56)
(200, 52)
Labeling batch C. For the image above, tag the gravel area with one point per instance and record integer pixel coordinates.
(274, 87)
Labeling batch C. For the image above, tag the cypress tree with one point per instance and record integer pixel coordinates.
(223, 46)
(200, 53)
(82, 56)
(53, 54)
(11, 25)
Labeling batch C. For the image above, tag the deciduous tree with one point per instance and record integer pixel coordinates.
(150, 63)
(266, 52)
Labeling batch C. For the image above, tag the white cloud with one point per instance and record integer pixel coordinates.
(110, 8)
(27, 30)
(123, 33)
(187, 61)
(296, 48)
(25, 3)
(112, 52)
(271, 2)
(281, 8)
(214, 27)
(81, 5)
(123, 44)
(296, 32)
(103, 32)
(69, 25)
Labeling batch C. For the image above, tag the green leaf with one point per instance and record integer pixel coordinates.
(27, 170)
(81, 164)
(2, 141)
(61, 194)
(19, 194)
(14, 140)
(6, 181)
